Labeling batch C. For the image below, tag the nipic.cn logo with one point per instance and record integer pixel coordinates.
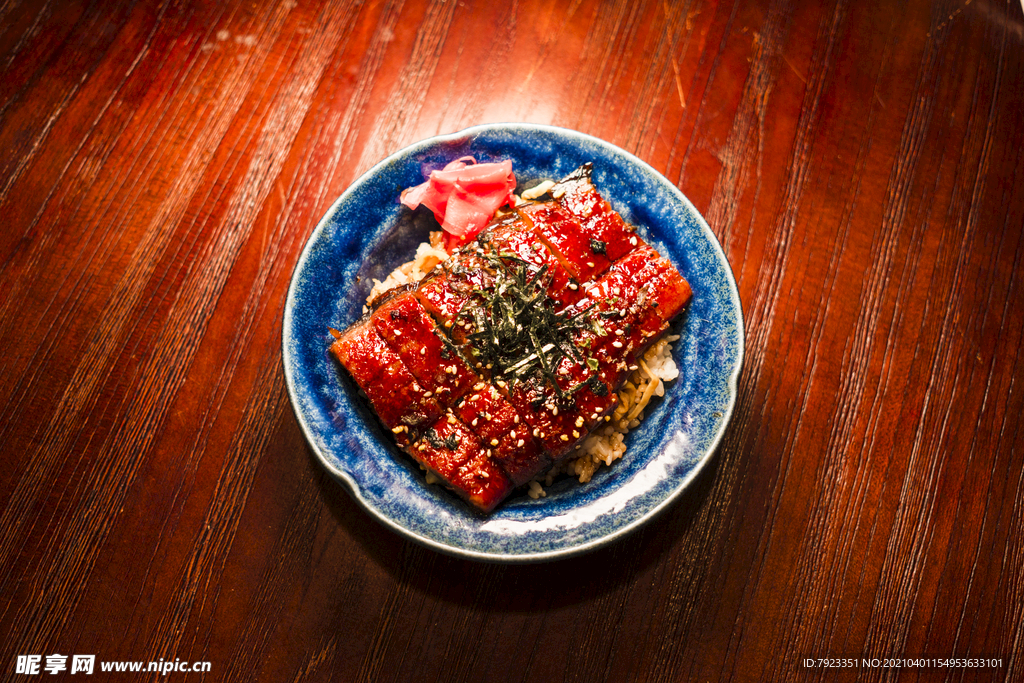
(55, 663)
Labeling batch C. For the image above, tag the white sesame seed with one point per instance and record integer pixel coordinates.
(494, 442)
(617, 344)
(520, 443)
(475, 420)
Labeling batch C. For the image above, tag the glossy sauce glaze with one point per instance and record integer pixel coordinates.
(510, 353)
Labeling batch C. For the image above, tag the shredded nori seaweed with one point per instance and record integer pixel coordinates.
(451, 442)
(515, 330)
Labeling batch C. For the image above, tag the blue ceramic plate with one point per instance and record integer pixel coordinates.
(367, 233)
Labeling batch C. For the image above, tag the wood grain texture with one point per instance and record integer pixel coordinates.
(862, 164)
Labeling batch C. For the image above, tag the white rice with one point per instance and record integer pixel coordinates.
(427, 256)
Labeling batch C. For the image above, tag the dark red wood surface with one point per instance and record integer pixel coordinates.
(862, 163)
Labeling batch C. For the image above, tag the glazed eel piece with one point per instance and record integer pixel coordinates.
(508, 354)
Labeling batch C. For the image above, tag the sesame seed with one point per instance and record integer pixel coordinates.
(520, 443)
(617, 344)
(536, 432)
(451, 419)
(575, 434)
(478, 386)
(573, 286)
(579, 421)
(447, 323)
(590, 264)
(516, 419)
(632, 240)
(564, 437)
(423, 351)
(428, 394)
(554, 411)
(512, 433)
(475, 420)
(494, 442)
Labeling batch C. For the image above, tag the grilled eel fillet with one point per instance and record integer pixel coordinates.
(427, 363)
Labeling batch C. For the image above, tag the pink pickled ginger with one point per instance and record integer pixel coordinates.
(464, 196)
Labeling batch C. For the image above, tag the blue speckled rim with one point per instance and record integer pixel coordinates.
(366, 233)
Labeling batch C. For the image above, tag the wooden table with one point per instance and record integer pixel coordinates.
(862, 164)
